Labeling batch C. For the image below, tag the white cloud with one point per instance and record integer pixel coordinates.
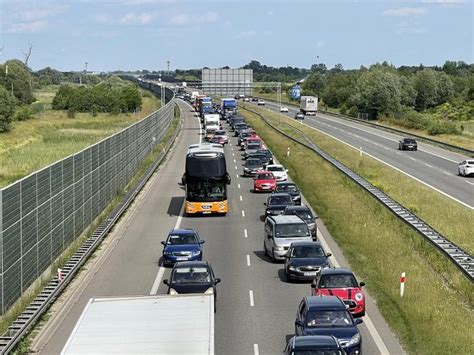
(405, 11)
(188, 19)
(410, 28)
(246, 34)
(141, 19)
(27, 17)
(27, 27)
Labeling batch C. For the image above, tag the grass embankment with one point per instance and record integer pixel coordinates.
(51, 135)
(20, 305)
(437, 310)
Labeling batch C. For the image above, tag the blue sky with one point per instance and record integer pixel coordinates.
(144, 34)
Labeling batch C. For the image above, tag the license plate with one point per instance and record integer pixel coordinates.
(206, 207)
(311, 273)
(181, 258)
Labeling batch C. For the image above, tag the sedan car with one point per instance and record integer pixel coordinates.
(279, 171)
(327, 315)
(342, 283)
(305, 260)
(220, 137)
(264, 181)
(268, 154)
(306, 215)
(313, 344)
(251, 148)
(182, 245)
(192, 277)
(252, 166)
(466, 168)
(283, 109)
(299, 116)
(407, 144)
(277, 202)
(289, 188)
(261, 103)
(245, 134)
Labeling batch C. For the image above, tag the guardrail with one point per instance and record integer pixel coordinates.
(462, 259)
(447, 146)
(28, 318)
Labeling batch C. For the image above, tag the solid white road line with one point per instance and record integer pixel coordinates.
(255, 349)
(245, 233)
(248, 260)
(243, 213)
(156, 284)
(470, 183)
(251, 298)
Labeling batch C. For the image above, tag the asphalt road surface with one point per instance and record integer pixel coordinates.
(255, 306)
(432, 166)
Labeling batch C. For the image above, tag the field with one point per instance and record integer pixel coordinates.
(51, 135)
(437, 309)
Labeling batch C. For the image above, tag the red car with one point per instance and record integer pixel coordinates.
(264, 181)
(342, 283)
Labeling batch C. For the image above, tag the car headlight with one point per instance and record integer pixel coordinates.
(172, 291)
(167, 253)
(354, 340)
(280, 248)
(209, 291)
(197, 252)
(359, 297)
(291, 268)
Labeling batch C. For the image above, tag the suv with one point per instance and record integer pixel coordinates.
(280, 232)
(327, 315)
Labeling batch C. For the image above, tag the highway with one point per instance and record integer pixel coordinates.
(432, 166)
(255, 307)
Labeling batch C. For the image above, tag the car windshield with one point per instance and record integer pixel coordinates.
(206, 191)
(253, 141)
(470, 162)
(410, 141)
(291, 230)
(220, 133)
(266, 176)
(175, 239)
(253, 162)
(253, 146)
(183, 275)
(307, 251)
(338, 281)
(329, 318)
(286, 188)
(280, 200)
(275, 168)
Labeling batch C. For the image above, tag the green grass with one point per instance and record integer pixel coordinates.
(437, 310)
(51, 135)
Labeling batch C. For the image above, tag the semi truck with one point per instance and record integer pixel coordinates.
(211, 124)
(205, 106)
(164, 324)
(309, 105)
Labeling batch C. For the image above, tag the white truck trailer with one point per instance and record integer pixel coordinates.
(179, 324)
(309, 105)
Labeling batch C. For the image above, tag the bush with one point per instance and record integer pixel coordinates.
(442, 127)
(22, 114)
(71, 112)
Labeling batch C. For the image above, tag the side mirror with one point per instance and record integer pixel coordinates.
(313, 285)
(166, 282)
(362, 284)
(286, 170)
(316, 218)
(264, 203)
(217, 280)
(163, 242)
(202, 241)
(358, 321)
(298, 322)
(328, 255)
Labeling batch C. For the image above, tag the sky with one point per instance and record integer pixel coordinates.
(145, 34)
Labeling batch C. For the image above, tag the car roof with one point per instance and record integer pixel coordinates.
(286, 183)
(183, 231)
(282, 219)
(320, 340)
(279, 194)
(298, 208)
(336, 271)
(323, 302)
(278, 165)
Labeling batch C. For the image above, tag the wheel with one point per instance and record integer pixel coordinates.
(265, 249)
(273, 256)
(459, 172)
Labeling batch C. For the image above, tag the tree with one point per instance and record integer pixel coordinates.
(17, 77)
(320, 68)
(315, 84)
(425, 87)
(27, 54)
(7, 109)
(340, 88)
(444, 88)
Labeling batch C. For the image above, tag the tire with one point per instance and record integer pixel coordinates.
(265, 249)
(273, 256)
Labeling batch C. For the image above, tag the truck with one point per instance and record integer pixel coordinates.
(309, 105)
(228, 105)
(211, 124)
(205, 106)
(163, 324)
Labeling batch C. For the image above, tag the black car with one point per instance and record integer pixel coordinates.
(234, 120)
(254, 99)
(305, 260)
(239, 128)
(407, 144)
(192, 277)
(306, 215)
(251, 166)
(268, 154)
(289, 188)
(244, 134)
(313, 344)
(277, 202)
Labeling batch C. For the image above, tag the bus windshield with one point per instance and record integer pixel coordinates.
(206, 190)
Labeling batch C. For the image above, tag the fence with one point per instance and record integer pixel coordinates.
(41, 214)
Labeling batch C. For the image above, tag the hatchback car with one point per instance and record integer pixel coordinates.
(182, 245)
(277, 202)
(313, 344)
(299, 116)
(283, 109)
(281, 174)
(327, 315)
(306, 215)
(305, 260)
(289, 188)
(192, 277)
(466, 168)
(264, 181)
(407, 144)
(342, 283)
(252, 166)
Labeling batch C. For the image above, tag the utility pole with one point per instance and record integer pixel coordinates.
(168, 65)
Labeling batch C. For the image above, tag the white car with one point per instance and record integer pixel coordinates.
(261, 103)
(466, 168)
(278, 171)
(246, 99)
(283, 109)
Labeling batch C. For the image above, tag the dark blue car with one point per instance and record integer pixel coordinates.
(182, 245)
(314, 344)
(327, 315)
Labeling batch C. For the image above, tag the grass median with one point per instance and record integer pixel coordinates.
(437, 310)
